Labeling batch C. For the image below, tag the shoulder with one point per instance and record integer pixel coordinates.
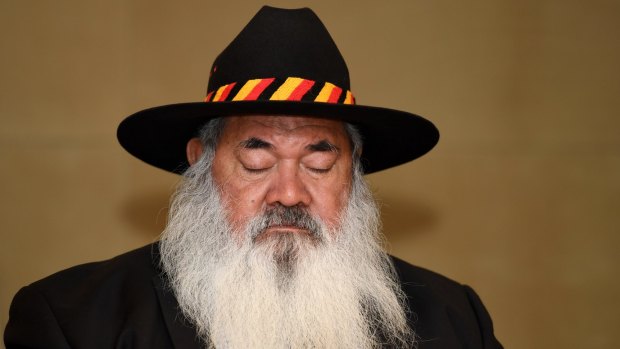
(431, 294)
(444, 313)
(427, 284)
(90, 285)
(100, 304)
(137, 265)
(106, 286)
(417, 276)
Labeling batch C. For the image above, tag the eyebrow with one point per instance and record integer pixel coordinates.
(254, 143)
(323, 146)
(257, 143)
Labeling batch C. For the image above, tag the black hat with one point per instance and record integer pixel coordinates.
(284, 62)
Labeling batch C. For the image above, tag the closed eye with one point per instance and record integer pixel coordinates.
(255, 170)
(319, 170)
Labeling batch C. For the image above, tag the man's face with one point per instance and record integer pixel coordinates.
(249, 233)
(264, 162)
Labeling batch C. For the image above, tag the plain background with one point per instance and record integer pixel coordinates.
(520, 198)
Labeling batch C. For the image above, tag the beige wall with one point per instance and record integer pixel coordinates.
(520, 199)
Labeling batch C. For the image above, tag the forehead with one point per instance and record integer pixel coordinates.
(277, 127)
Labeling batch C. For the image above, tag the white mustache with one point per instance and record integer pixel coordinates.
(280, 215)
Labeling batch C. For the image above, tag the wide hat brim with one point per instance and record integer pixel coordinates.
(391, 137)
(283, 62)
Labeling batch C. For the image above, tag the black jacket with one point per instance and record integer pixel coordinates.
(122, 303)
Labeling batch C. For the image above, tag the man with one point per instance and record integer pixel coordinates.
(273, 237)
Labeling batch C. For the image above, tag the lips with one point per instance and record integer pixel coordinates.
(286, 219)
(286, 228)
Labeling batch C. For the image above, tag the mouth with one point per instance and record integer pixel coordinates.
(282, 221)
(282, 229)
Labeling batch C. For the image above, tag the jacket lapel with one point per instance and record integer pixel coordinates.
(182, 333)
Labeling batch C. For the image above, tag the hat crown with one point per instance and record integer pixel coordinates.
(281, 43)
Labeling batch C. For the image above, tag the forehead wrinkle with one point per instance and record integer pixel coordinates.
(288, 124)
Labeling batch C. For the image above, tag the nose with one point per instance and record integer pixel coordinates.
(288, 188)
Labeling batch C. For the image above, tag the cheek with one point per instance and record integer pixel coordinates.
(241, 201)
(331, 202)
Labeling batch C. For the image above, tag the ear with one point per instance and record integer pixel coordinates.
(193, 150)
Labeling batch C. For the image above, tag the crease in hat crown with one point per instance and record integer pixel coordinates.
(283, 62)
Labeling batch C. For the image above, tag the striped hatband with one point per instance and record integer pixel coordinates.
(274, 89)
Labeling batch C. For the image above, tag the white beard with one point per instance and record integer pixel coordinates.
(336, 290)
